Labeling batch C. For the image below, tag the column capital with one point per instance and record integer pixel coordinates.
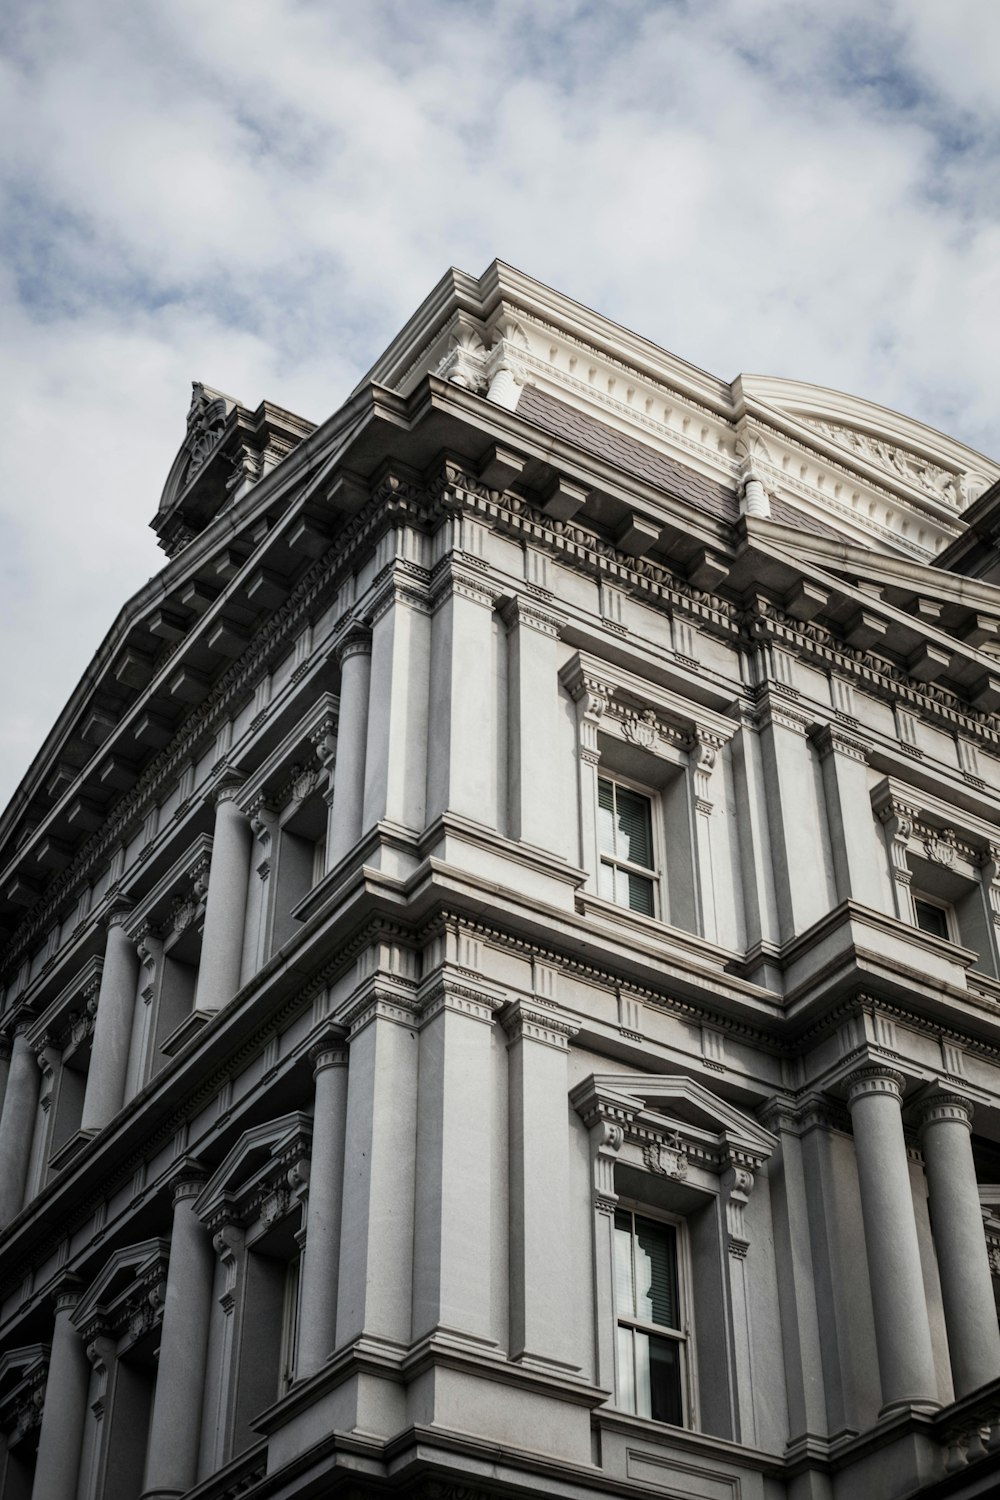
(118, 912)
(875, 1078)
(945, 1108)
(355, 640)
(186, 1179)
(330, 1049)
(228, 786)
(65, 1292)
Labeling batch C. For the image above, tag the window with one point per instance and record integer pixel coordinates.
(652, 1343)
(933, 917)
(628, 872)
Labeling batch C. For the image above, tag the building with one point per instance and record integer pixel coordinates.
(501, 958)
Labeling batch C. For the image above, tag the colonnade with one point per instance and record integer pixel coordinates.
(899, 1300)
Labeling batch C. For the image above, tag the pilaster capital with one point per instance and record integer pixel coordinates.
(522, 611)
(945, 1109)
(832, 739)
(874, 1078)
(535, 1021)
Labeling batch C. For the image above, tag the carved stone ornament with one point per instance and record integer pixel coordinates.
(642, 729)
(304, 780)
(940, 847)
(206, 422)
(666, 1158)
(943, 484)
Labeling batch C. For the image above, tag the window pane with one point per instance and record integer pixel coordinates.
(931, 918)
(643, 1402)
(640, 894)
(626, 1370)
(624, 1286)
(605, 816)
(664, 1378)
(635, 832)
(607, 881)
(656, 1273)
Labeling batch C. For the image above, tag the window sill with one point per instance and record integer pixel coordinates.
(706, 953)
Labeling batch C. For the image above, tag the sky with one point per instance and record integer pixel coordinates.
(257, 193)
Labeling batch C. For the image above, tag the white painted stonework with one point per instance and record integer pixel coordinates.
(500, 961)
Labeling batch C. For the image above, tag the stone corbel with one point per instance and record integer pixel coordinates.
(263, 822)
(228, 1243)
(591, 697)
(465, 362)
(101, 1351)
(505, 371)
(897, 819)
(990, 867)
(324, 741)
(703, 758)
(737, 1184)
(607, 1121)
(753, 455)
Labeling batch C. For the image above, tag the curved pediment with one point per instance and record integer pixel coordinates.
(898, 448)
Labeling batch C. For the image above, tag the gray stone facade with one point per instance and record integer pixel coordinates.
(501, 951)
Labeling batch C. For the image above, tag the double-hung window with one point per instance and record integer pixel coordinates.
(934, 917)
(628, 874)
(651, 1357)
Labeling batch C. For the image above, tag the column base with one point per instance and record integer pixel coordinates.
(923, 1406)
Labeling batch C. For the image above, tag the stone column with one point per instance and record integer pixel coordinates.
(226, 907)
(63, 1415)
(957, 1224)
(902, 1328)
(354, 653)
(540, 1300)
(175, 1422)
(320, 1262)
(17, 1121)
(105, 1090)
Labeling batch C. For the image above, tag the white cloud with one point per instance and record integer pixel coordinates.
(257, 195)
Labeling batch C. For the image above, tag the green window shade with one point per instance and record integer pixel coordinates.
(606, 816)
(633, 826)
(656, 1273)
(640, 893)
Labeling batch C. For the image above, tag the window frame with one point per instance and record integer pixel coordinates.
(684, 1336)
(654, 873)
(945, 907)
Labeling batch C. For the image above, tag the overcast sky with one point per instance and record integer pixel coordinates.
(257, 193)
